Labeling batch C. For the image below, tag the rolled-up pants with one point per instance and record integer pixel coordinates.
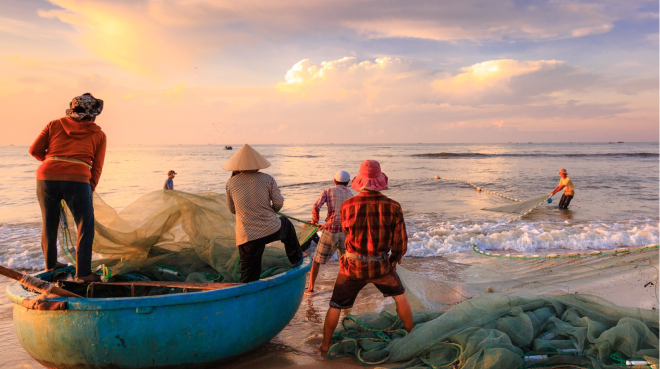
(252, 251)
(78, 197)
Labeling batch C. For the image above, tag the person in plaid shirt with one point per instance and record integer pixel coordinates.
(376, 240)
(333, 237)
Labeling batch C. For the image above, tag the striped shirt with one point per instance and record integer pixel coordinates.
(255, 198)
(334, 197)
(374, 226)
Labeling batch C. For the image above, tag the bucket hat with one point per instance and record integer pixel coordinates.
(246, 158)
(370, 177)
(84, 107)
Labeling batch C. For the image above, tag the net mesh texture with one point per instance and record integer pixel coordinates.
(171, 235)
(535, 319)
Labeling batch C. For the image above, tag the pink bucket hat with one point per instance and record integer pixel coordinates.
(370, 177)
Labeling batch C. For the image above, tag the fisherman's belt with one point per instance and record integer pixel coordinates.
(68, 160)
(361, 258)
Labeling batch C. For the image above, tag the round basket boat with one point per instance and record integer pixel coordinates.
(178, 330)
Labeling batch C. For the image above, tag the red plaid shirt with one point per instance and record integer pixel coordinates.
(334, 197)
(374, 226)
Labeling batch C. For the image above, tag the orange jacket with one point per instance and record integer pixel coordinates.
(67, 138)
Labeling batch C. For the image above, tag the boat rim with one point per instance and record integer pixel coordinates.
(16, 293)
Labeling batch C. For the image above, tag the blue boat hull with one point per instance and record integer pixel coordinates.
(178, 330)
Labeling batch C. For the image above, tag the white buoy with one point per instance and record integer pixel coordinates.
(535, 357)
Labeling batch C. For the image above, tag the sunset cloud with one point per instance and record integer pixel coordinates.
(149, 36)
(300, 71)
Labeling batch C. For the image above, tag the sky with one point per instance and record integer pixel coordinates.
(334, 71)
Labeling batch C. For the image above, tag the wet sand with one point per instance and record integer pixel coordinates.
(297, 345)
(621, 279)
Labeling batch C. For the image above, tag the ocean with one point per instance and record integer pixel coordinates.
(616, 205)
(616, 202)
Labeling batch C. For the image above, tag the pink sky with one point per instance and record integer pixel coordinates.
(204, 71)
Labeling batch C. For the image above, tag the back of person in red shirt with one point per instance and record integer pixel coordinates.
(376, 240)
(72, 150)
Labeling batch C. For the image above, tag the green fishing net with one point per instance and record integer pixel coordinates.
(171, 236)
(534, 319)
(505, 331)
(521, 207)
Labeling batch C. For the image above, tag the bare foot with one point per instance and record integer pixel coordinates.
(58, 265)
(89, 278)
(309, 289)
(324, 349)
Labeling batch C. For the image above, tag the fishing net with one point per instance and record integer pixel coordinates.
(523, 207)
(534, 319)
(171, 236)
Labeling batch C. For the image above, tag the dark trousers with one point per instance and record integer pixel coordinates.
(78, 197)
(252, 251)
(565, 200)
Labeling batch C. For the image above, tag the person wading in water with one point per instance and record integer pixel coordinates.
(72, 150)
(566, 184)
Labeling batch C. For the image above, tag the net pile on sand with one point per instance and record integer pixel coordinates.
(459, 324)
(172, 236)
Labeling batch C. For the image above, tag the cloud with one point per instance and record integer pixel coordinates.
(124, 34)
(151, 37)
(428, 19)
(390, 99)
(581, 32)
(388, 82)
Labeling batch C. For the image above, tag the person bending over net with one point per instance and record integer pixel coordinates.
(367, 217)
(566, 184)
(333, 237)
(72, 150)
(255, 199)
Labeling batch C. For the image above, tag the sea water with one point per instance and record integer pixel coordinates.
(615, 205)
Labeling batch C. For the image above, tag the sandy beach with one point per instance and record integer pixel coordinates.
(621, 279)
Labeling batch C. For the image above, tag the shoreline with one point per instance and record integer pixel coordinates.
(619, 279)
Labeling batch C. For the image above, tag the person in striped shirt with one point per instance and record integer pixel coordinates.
(333, 237)
(376, 240)
(255, 199)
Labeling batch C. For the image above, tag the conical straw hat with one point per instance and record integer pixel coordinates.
(246, 158)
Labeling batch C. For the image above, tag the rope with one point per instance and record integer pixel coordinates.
(68, 160)
(479, 189)
(368, 328)
(316, 227)
(36, 284)
(66, 243)
(459, 351)
(565, 256)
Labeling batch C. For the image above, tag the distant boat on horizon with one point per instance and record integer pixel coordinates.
(619, 142)
(228, 147)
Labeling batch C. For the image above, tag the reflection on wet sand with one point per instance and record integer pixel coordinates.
(299, 342)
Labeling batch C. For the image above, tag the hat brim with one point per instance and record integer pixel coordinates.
(374, 184)
(246, 158)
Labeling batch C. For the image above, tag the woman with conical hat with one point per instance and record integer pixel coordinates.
(255, 199)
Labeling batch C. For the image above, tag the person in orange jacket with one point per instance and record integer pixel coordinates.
(72, 151)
